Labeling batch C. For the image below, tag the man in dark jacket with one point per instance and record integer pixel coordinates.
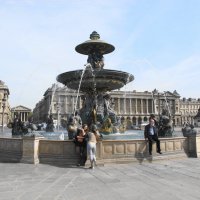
(151, 133)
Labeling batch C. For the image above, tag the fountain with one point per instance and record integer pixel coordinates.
(95, 82)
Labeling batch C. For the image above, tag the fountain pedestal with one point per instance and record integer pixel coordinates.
(194, 146)
(30, 149)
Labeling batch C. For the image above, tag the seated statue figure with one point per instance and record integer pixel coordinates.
(71, 128)
(165, 124)
(50, 124)
(96, 60)
(107, 126)
(78, 120)
(16, 126)
(108, 110)
(188, 130)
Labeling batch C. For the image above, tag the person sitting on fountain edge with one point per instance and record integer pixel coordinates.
(151, 133)
(155, 121)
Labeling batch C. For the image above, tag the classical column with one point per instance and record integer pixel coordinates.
(136, 110)
(147, 104)
(130, 106)
(124, 105)
(26, 116)
(23, 116)
(142, 111)
(72, 104)
(152, 108)
(119, 105)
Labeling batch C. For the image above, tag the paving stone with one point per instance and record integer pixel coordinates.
(167, 179)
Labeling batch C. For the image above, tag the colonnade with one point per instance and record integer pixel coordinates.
(124, 106)
(23, 116)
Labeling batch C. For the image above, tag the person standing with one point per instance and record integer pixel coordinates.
(151, 134)
(82, 144)
(91, 144)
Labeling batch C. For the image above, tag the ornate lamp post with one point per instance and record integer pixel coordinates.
(3, 110)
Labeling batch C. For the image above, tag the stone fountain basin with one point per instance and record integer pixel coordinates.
(101, 80)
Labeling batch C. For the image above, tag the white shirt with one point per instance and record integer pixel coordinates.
(151, 131)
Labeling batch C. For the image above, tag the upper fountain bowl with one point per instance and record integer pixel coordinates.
(104, 79)
(94, 45)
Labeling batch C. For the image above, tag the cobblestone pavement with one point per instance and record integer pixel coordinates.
(170, 180)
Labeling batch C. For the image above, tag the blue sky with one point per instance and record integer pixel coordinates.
(158, 41)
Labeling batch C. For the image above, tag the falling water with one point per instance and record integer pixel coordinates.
(128, 79)
(53, 94)
(125, 87)
(83, 71)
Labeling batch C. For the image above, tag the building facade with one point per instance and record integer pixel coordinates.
(188, 110)
(21, 112)
(5, 110)
(61, 102)
(197, 119)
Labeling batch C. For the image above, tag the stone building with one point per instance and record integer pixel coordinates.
(137, 106)
(21, 112)
(188, 109)
(197, 119)
(60, 102)
(5, 111)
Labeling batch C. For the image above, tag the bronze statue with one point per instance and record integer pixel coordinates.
(50, 124)
(94, 81)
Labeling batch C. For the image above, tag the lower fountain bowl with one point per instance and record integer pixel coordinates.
(102, 80)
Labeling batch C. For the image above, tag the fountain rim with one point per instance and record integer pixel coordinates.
(97, 72)
(73, 77)
(83, 47)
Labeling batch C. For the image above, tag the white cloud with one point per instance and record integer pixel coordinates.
(38, 40)
(183, 77)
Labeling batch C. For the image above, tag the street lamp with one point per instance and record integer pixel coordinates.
(3, 108)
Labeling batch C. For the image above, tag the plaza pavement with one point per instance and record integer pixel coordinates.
(158, 180)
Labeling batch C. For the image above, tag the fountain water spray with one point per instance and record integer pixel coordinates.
(94, 82)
